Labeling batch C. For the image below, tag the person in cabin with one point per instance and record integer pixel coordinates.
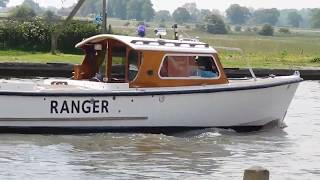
(205, 68)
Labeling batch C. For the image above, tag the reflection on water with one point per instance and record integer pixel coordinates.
(292, 153)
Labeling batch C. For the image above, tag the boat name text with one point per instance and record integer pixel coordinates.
(77, 106)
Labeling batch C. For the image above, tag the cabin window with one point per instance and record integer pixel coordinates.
(195, 67)
(118, 64)
(133, 64)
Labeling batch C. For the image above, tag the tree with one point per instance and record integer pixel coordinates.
(162, 16)
(50, 16)
(117, 8)
(181, 15)
(90, 7)
(215, 25)
(3, 3)
(315, 19)
(267, 30)
(147, 12)
(193, 11)
(23, 12)
(238, 14)
(34, 6)
(204, 13)
(134, 8)
(65, 11)
(268, 16)
(294, 19)
(139, 10)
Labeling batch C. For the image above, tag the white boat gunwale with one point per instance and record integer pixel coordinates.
(157, 92)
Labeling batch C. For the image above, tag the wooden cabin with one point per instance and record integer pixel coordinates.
(146, 62)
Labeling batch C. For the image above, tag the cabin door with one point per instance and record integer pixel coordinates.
(117, 60)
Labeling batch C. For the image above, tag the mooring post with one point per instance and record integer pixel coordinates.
(256, 173)
(104, 16)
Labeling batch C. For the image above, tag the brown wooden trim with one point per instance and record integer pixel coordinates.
(109, 61)
(152, 62)
(126, 71)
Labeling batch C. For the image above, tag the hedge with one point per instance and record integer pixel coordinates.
(35, 35)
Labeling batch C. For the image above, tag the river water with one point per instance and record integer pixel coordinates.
(291, 153)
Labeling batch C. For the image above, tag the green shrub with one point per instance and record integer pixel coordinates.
(126, 23)
(23, 12)
(267, 30)
(215, 25)
(216, 29)
(73, 33)
(228, 28)
(35, 35)
(201, 27)
(110, 30)
(162, 25)
(284, 30)
(316, 60)
(248, 29)
(283, 54)
(32, 35)
(238, 29)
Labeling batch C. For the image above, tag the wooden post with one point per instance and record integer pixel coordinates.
(104, 15)
(256, 173)
(54, 43)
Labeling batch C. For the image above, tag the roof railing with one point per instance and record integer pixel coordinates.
(191, 44)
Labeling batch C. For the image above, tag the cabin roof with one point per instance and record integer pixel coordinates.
(153, 44)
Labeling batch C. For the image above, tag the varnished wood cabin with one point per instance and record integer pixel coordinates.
(146, 62)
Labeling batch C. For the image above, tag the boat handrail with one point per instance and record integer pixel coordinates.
(192, 44)
(242, 53)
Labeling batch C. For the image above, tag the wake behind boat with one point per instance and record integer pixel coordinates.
(130, 84)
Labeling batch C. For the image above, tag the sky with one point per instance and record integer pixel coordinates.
(202, 4)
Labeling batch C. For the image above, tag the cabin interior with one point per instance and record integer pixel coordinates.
(112, 61)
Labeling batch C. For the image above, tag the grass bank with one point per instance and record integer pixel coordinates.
(38, 57)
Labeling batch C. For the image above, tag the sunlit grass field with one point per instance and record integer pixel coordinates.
(38, 57)
(280, 51)
(294, 50)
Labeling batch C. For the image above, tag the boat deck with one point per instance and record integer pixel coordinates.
(76, 86)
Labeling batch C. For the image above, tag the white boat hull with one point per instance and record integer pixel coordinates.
(223, 106)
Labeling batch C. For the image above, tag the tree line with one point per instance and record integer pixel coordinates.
(205, 19)
(241, 15)
(142, 10)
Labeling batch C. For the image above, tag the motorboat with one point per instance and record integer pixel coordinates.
(134, 84)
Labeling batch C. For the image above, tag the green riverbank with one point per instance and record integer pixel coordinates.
(295, 50)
